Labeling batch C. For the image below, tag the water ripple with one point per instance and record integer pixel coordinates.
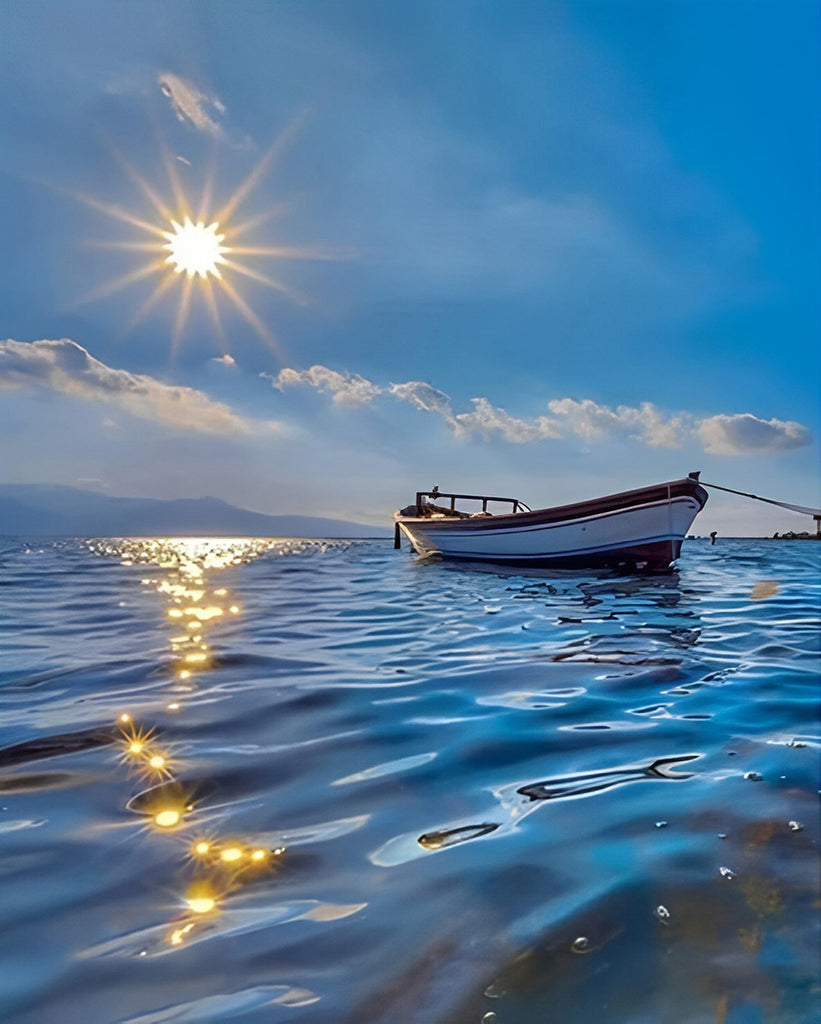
(283, 779)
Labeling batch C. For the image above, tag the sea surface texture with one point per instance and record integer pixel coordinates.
(323, 782)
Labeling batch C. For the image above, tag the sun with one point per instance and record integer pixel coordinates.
(195, 248)
(180, 248)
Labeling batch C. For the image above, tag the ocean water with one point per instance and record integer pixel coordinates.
(324, 782)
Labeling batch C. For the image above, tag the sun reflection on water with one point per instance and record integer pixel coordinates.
(216, 866)
(186, 564)
(220, 865)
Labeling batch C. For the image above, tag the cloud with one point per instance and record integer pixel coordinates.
(226, 360)
(190, 104)
(745, 434)
(65, 367)
(346, 388)
(591, 421)
(486, 419)
(423, 396)
(587, 419)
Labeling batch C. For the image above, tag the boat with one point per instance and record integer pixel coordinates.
(640, 529)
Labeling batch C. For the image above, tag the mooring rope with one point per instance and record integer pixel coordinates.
(815, 512)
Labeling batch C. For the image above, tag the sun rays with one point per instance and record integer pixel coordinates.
(194, 249)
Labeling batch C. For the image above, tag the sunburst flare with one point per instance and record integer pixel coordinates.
(193, 248)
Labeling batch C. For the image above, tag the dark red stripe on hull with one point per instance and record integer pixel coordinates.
(611, 503)
(653, 556)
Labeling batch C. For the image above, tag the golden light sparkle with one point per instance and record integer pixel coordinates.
(201, 904)
(178, 934)
(231, 854)
(201, 898)
(167, 818)
(134, 741)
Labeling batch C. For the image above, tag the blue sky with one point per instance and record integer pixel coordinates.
(545, 249)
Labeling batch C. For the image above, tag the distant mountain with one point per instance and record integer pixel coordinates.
(50, 510)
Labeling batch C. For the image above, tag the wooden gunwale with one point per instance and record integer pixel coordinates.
(654, 494)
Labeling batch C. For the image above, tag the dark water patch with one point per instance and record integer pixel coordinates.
(56, 746)
(603, 618)
(20, 783)
(24, 681)
(272, 664)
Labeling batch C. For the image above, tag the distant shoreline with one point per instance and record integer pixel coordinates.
(777, 536)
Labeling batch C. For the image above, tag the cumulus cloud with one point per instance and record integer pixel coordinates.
(65, 367)
(587, 419)
(190, 104)
(226, 360)
(591, 421)
(486, 419)
(745, 434)
(742, 434)
(346, 388)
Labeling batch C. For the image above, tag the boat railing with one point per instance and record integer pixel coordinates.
(437, 495)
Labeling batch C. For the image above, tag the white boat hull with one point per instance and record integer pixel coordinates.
(643, 529)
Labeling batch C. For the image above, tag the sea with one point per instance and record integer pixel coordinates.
(325, 782)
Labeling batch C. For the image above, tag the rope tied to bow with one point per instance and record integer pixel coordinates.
(814, 512)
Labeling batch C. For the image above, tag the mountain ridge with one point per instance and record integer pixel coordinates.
(61, 510)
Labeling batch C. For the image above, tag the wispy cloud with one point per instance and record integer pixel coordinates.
(65, 367)
(190, 104)
(723, 434)
(346, 388)
(423, 396)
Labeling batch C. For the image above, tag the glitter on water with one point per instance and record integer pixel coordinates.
(379, 802)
